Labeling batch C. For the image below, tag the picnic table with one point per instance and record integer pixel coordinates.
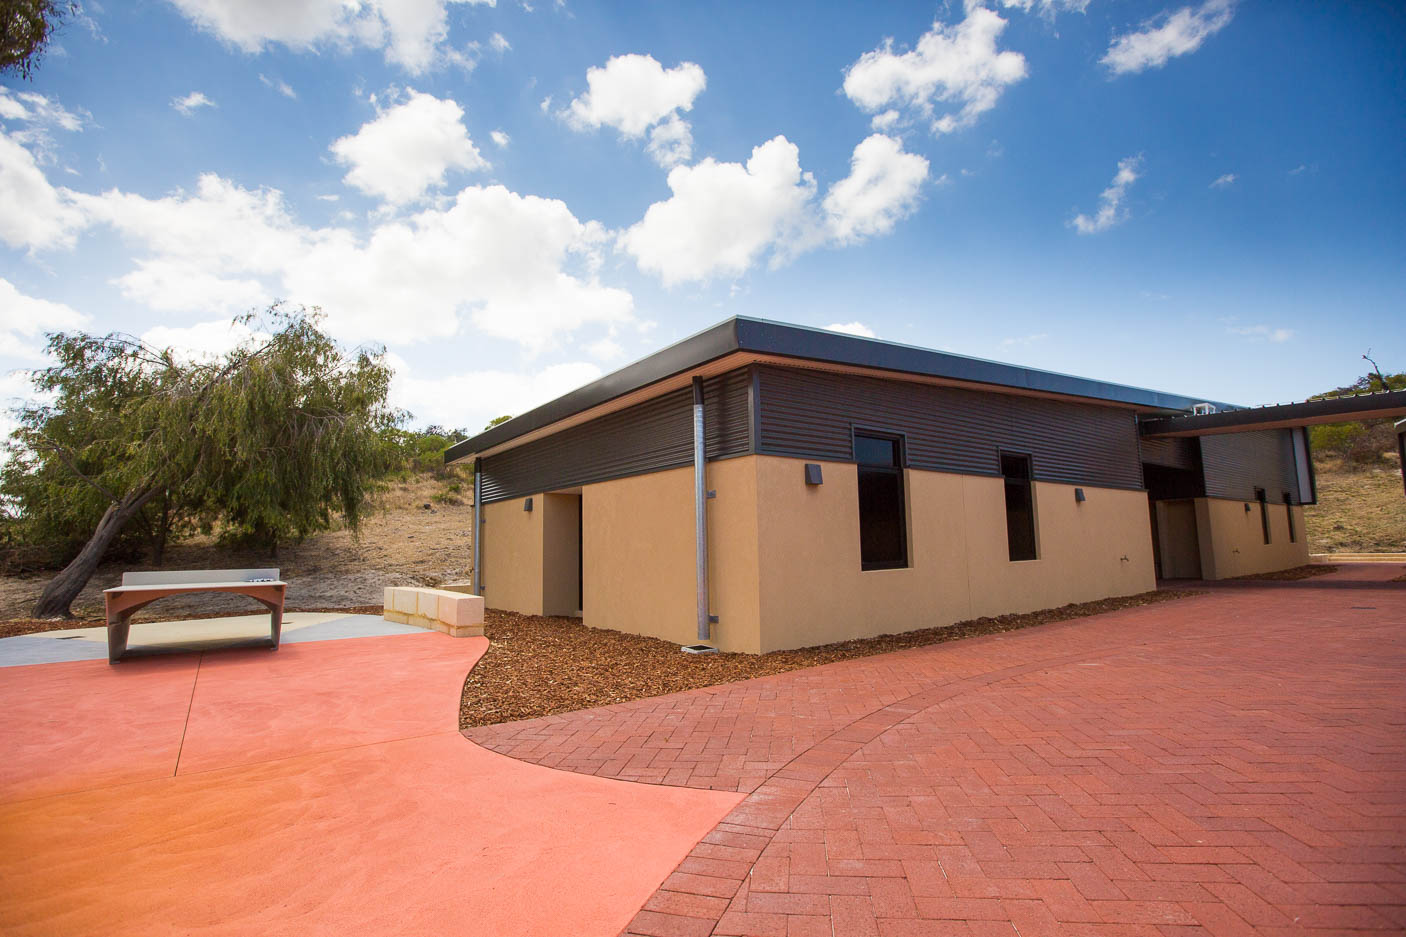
(139, 590)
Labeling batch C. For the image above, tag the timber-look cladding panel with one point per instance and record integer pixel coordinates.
(809, 414)
(1235, 464)
(647, 437)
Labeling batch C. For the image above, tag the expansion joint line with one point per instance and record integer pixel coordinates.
(189, 706)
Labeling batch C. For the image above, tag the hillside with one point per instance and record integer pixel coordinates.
(402, 542)
(1359, 509)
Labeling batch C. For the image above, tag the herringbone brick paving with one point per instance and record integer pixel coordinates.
(1228, 764)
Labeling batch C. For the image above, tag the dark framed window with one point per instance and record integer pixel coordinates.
(1289, 513)
(883, 524)
(1264, 511)
(1020, 506)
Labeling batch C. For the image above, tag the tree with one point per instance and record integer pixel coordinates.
(498, 419)
(268, 440)
(26, 26)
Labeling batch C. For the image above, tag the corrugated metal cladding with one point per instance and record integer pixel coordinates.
(653, 435)
(1174, 452)
(1235, 464)
(809, 414)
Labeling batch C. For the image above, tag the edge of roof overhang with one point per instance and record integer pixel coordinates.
(762, 337)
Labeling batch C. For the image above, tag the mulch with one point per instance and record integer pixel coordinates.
(1291, 575)
(538, 666)
(18, 626)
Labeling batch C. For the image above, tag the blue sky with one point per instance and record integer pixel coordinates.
(515, 198)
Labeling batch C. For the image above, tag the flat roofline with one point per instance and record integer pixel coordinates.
(780, 339)
(1369, 406)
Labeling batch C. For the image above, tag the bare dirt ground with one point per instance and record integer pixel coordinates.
(1357, 511)
(400, 543)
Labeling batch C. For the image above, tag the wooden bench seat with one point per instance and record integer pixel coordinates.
(139, 590)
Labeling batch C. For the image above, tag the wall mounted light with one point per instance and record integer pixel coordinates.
(527, 504)
(1079, 495)
(1247, 509)
(813, 474)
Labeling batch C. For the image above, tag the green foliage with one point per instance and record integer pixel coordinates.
(264, 444)
(1361, 444)
(26, 26)
(498, 419)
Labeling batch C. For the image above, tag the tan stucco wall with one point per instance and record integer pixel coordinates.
(560, 533)
(512, 556)
(813, 590)
(1232, 539)
(1180, 544)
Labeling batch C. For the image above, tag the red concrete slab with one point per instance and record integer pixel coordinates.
(429, 835)
(84, 724)
(252, 705)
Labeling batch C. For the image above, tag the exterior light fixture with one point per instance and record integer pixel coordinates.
(1079, 495)
(1247, 509)
(527, 505)
(813, 474)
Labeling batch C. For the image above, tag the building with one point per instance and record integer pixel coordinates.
(849, 487)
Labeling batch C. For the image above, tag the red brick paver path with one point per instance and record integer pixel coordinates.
(1223, 765)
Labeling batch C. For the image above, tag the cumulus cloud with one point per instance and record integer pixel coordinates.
(37, 116)
(413, 35)
(1110, 201)
(1224, 182)
(953, 76)
(36, 214)
(882, 187)
(725, 217)
(191, 103)
(851, 328)
(202, 341)
(473, 398)
(1047, 8)
(1166, 36)
(408, 149)
(500, 139)
(517, 267)
(635, 94)
(24, 320)
(499, 44)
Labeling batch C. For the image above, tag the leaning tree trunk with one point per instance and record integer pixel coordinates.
(59, 594)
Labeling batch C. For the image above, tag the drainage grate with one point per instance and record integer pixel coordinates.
(1366, 608)
(698, 649)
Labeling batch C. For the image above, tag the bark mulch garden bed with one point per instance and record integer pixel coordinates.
(538, 666)
(18, 626)
(1291, 575)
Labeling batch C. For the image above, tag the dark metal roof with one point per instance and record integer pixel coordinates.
(1381, 404)
(764, 337)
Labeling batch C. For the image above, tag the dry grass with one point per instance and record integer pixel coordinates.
(539, 666)
(1291, 575)
(1358, 511)
(402, 543)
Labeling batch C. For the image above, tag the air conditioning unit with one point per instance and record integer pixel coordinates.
(1202, 409)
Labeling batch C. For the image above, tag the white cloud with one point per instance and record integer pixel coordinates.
(499, 43)
(408, 149)
(1261, 333)
(882, 187)
(851, 328)
(412, 32)
(635, 94)
(516, 267)
(671, 142)
(35, 108)
(1224, 182)
(35, 215)
(956, 65)
(1047, 8)
(500, 139)
(172, 285)
(473, 398)
(1110, 207)
(723, 216)
(203, 340)
(282, 87)
(605, 349)
(24, 319)
(191, 103)
(1167, 36)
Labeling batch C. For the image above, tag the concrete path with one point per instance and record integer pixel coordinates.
(1229, 764)
(319, 789)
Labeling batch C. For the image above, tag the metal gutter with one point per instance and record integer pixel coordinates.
(1386, 403)
(782, 340)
